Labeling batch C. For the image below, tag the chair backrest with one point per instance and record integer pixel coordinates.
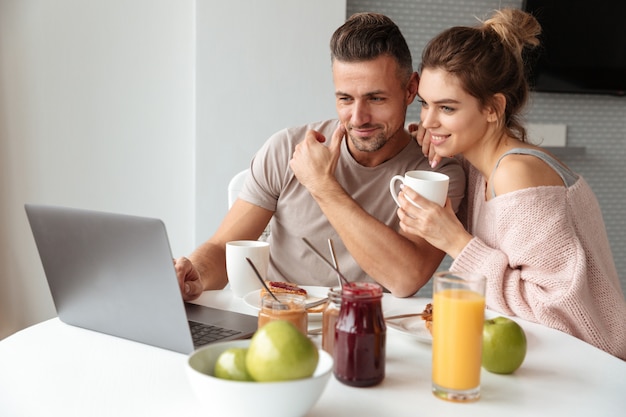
(235, 185)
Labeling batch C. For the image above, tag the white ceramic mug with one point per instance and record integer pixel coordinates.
(241, 276)
(429, 184)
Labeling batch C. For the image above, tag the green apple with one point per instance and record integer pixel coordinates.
(231, 364)
(278, 351)
(504, 345)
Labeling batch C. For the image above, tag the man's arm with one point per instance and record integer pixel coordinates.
(397, 263)
(205, 268)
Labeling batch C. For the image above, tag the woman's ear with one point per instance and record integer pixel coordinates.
(496, 109)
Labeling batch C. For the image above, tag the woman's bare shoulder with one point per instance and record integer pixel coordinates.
(519, 171)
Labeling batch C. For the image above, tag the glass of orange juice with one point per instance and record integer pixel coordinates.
(458, 317)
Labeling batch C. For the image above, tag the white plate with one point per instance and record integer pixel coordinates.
(414, 326)
(410, 326)
(253, 299)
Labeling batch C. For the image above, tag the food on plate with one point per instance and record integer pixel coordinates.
(278, 287)
(427, 316)
(278, 351)
(504, 345)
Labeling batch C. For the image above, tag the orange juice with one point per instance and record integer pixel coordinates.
(458, 316)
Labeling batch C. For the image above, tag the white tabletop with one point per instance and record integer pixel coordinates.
(52, 369)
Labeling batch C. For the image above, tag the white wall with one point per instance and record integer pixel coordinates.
(269, 69)
(98, 110)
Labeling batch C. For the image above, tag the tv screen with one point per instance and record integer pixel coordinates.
(583, 46)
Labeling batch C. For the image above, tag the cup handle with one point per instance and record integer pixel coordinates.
(392, 187)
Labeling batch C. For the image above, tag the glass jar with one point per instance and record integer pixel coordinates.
(360, 336)
(329, 319)
(291, 308)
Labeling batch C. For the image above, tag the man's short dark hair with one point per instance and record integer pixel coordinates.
(367, 36)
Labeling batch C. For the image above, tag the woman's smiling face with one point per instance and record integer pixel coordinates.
(452, 116)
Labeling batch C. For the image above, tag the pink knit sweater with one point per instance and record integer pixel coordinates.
(547, 259)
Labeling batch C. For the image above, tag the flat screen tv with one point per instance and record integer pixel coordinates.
(583, 46)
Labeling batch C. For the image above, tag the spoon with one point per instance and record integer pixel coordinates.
(403, 316)
(331, 246)
(256, 271)
(315, 303)
(323, 258)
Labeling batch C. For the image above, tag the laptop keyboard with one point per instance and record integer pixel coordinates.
(205, 333)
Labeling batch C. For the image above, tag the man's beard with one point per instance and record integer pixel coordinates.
(371, 144)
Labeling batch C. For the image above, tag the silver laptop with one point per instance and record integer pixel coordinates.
(114, 274)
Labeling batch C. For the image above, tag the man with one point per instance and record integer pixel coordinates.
(309, 186)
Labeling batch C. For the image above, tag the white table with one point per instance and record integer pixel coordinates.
(52, 369)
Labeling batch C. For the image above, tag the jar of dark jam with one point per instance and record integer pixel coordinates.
(360, 336)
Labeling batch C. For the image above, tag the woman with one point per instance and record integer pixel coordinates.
(529, 224)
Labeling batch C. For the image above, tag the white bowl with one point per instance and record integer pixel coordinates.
(221, 397)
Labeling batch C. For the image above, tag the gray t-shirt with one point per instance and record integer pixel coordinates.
(273, 186)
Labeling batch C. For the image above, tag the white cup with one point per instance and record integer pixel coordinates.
(429, 184)
(241, 276)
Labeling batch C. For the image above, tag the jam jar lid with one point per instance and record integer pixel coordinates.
(362, 290)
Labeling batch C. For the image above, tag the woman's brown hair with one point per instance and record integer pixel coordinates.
(489, 59)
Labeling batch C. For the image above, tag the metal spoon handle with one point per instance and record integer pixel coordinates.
(403, 316)
(323, 258)
(316, 303)
(256, 271)
(331, 246)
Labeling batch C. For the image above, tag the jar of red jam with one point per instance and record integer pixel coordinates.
(329, 319)
(360, 336)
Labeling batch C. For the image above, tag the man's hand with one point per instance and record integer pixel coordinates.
(312, 162)
(188, 279)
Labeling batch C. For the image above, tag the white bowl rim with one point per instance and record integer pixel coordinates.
(320, 371)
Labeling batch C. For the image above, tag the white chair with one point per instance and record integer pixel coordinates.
(234, 187)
